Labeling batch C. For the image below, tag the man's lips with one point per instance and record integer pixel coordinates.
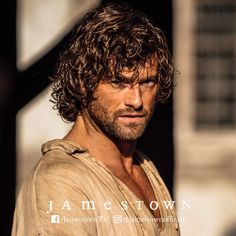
(131, 117)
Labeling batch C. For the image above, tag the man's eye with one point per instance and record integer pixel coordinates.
(115, 81)
(117, 84)
(149, 83)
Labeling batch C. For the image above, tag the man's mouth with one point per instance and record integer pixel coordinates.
(131, 117)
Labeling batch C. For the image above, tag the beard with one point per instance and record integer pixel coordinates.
(110, 124)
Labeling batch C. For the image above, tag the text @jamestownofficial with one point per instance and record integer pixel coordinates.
(117, 219)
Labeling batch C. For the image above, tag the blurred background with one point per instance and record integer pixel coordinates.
(205, 114)
(191, 139)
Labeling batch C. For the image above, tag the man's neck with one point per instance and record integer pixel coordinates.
(113, 153)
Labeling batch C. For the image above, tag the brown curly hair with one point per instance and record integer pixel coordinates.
(111, 32)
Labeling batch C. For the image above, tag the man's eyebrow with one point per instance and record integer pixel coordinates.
(127, 80)
(123, 79)
(153, 77)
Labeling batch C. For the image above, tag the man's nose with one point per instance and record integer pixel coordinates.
(134, 97)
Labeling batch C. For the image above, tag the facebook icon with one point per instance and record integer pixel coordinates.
(55, 219)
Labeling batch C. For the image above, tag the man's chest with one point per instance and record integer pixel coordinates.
(140, 185)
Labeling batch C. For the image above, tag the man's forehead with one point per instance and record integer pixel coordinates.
(149, 69)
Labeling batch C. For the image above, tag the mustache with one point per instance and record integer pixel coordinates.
(130, 112)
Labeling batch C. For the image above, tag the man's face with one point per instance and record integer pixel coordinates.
(123, 110)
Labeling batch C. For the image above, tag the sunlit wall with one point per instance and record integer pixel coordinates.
(205, 115)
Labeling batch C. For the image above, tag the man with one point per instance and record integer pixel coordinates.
(94, 181)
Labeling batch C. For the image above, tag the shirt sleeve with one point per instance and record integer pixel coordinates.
(53, 202)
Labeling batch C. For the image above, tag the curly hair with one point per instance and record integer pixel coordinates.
(109, 33)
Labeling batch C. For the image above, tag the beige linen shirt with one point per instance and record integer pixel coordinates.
(71, 193)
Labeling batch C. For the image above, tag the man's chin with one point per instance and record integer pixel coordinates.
(129, 136)
(125, 133)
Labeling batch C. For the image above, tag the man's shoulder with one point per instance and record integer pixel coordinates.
(62, 146)
(58, 161)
